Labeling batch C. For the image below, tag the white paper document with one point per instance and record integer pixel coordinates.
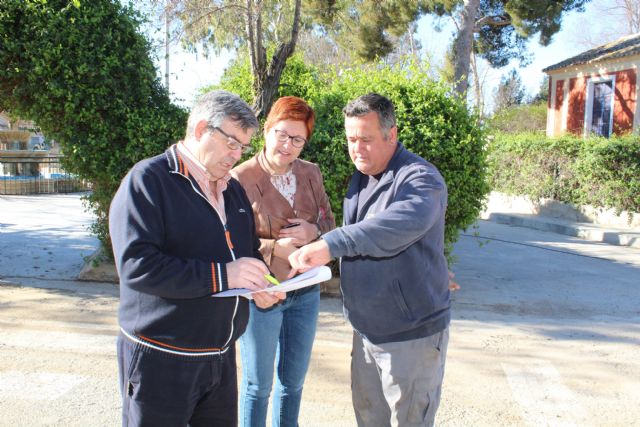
(308, 278)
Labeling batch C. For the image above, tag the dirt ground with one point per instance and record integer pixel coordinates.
(545, 331)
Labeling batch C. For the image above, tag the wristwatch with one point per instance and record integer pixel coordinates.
(319, 232)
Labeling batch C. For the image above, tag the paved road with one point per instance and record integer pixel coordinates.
(546, 330)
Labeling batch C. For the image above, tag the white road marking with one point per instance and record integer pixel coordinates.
(41, 386)
(543, 398)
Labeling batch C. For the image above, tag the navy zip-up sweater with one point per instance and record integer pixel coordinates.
(393, 272)
(171, 250)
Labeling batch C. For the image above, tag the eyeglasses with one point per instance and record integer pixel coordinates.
(233, 143)
(296, 141)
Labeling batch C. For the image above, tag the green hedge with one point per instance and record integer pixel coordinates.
(431, 122)
(596, 171)
(520, 118)
(83, 72)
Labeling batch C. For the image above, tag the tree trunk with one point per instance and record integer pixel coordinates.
(266, 92)
(477, 85)
(267, 82)
(464, 45)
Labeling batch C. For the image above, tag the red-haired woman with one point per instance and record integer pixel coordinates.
(291, 209)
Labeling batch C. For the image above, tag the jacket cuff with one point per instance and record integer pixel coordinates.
(333, 240)
(219, 282)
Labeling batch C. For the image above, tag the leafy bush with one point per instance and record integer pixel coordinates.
(431, 123)
(83, 73)
(609, 173)
(533, 165)
(236, 79)
(598, 171)
(520, 119)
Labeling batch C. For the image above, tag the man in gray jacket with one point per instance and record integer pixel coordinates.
(393, 272)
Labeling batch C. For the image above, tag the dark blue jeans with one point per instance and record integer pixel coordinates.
(159, 389)
(281, 335)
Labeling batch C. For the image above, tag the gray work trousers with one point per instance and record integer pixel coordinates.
(397, 383)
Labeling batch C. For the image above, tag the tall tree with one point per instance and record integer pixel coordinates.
(268, 29)
(543, 91)
(510, 91)
(497, 30)
(631, 11)
(626, 15)
(624, 12)
(478, 73)
(326, 52)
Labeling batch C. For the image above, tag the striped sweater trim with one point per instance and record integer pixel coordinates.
(167, 348)
(219, 282)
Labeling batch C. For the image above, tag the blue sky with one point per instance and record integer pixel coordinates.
(578, 28)
(190, 71)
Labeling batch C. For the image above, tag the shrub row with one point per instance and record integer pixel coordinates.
(83, 72)
(520, 119)
(596, 171)
(431, 122)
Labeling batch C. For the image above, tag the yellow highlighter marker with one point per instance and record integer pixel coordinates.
(272, 279)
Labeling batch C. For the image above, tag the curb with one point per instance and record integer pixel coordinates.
(331, 288)
(585, 231)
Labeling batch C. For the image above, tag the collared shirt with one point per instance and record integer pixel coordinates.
(211, 187)
(285, 183)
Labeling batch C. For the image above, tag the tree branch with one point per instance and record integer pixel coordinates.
(285, 50)
(455, 23)
(494, 21)
(261, 54)
(251, 37)
(207, 12)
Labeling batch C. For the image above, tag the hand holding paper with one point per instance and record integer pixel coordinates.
(267, 299)
(247, 273)
(309, 278)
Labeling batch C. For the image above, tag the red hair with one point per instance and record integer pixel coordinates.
(291, 108)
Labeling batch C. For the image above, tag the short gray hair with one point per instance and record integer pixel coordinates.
(365, 104)
(217, 106)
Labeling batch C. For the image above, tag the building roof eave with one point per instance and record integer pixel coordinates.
(623, 47)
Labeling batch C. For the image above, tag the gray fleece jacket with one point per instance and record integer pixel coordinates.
(393, 272)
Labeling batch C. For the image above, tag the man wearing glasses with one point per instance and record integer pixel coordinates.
(183, 231)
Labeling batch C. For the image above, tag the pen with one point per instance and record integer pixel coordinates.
(272, 279)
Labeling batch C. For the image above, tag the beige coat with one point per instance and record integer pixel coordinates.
(271, 209)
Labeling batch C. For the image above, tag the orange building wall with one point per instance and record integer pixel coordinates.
(577, 100)
(624, 103)
(557, 122)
